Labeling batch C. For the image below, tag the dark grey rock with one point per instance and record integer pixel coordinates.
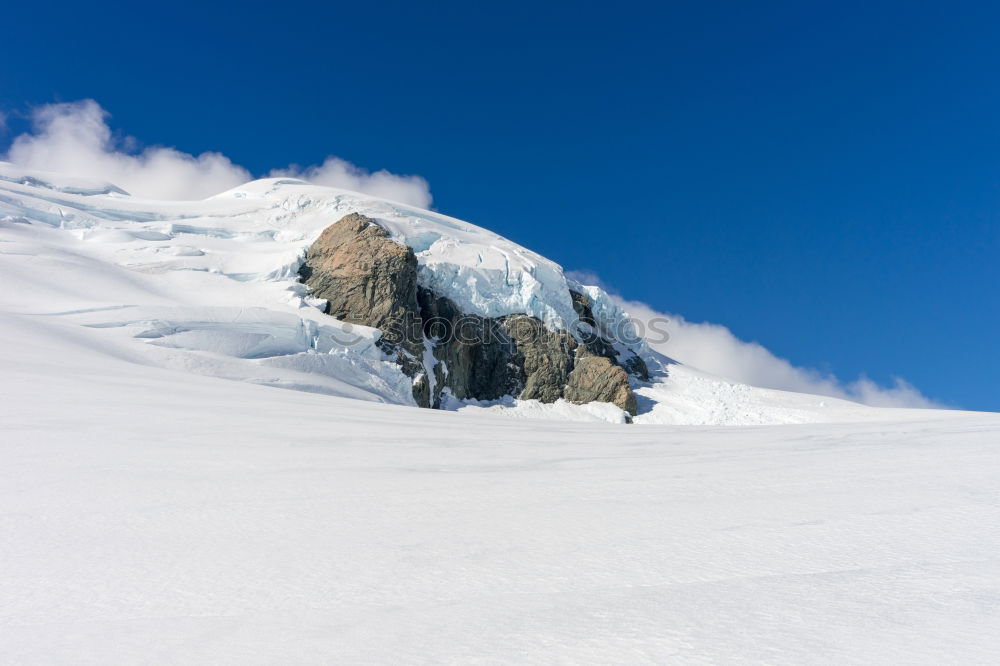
(546, 357)
(477, 353)
(582, 306)
(634, 365)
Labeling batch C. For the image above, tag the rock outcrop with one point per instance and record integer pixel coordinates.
(545, 356)
(364, 275)
(486, 358)
(597, 378)
(367, 278)
(596, 341)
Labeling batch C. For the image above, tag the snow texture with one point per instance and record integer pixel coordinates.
(157, 512)
(158, 517)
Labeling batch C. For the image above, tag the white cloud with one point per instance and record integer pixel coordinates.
(713, 348)
(75, 138)
(335, 172)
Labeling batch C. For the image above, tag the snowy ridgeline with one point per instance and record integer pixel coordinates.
(211, 287)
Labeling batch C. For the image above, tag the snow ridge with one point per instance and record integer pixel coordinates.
(212, 287)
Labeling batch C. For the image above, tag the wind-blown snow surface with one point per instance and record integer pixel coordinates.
(156, 512)
(155, 517)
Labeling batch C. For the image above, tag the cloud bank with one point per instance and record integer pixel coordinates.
(713, 348)
(75, 138)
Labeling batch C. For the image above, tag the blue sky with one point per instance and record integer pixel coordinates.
(823, 178)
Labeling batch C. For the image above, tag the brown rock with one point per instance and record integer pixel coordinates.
(367, 278)
(596, 378)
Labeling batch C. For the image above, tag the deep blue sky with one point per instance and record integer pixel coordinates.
(823, 178)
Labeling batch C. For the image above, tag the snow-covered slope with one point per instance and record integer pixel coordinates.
(156, 512)
(211, 287)
(155, 517)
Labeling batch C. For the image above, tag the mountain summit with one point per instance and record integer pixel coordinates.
(312, 288)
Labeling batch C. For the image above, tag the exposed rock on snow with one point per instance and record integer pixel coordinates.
(364, 276)
(370, 279)
(597, 379)
(545, 356)
(473, 357)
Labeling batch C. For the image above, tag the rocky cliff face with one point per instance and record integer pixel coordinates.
(369, 279)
